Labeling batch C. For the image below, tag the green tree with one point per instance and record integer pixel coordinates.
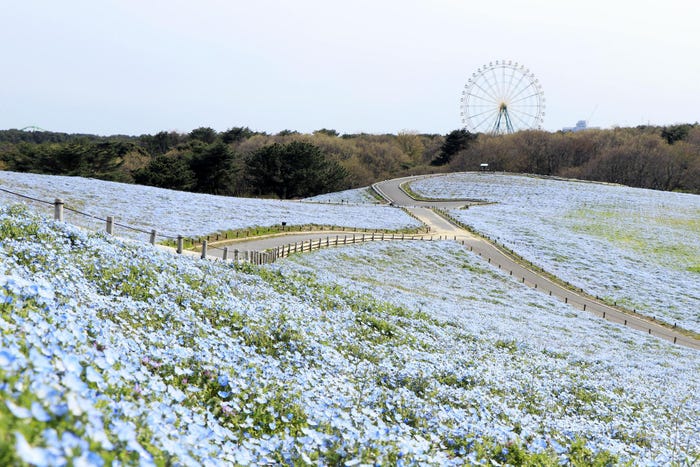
(214, 168)
(167, 171)
(455, 141)
(204, 134)
(160, 143)
(327, 132)
(675, 133)
(297, 169)
(236, 134)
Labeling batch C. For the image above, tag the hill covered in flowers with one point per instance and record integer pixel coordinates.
(116, 351)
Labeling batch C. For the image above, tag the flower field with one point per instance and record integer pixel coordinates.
(113, 352)
(356, 196)
(530, 367)
(639, 248)
(189, 214)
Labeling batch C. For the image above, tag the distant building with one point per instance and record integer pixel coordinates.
(580, 126)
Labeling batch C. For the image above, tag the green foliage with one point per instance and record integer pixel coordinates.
(167, 171)
(77, 157)
(666, 158)
(327, 132)
(676, 132)
(160, 143)
(581, 455)
(12, 229)
(252, 410)
(455, 141)
(509, 345)
(215, 169)
(292, 170)
(236, 134)
(204, 134)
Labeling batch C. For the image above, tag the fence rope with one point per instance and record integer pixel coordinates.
(26, 197)
(92, 216)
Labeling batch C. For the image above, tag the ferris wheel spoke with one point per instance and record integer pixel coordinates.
(526, 97)
(510, 82)
(490, 111)
(499, 92)
(514, 88)
(528, 110)
(493, 86)
(520, 112)
(526, 125)
(485, 99)
(493, 99)
(488, 118)
(489, 91)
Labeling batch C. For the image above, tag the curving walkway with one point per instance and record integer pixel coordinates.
(422, 209)
(441, 227)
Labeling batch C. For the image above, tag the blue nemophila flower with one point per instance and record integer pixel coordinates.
(223, 380)
(7, 359)
(17, 411)
(88, 459)
(31, 455)
(39, 413)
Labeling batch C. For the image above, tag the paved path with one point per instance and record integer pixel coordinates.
(391, 189)
(443, 228)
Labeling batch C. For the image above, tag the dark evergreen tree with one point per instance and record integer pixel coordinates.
(455, 141)
(293, 170)
(171, 172)
(215, 169)
(204, 134)
(236, 134)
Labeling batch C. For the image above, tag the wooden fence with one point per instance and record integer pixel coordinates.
(273, 254)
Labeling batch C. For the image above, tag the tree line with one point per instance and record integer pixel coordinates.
(289, 164)
(660, 158)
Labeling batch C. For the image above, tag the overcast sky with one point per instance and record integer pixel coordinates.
(374, 66)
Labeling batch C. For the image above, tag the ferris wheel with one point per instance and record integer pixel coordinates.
(502, 97)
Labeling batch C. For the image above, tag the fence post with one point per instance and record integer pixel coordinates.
(58, 209)
(153, 237)
(204, 249)
(225, 255)
(110, 225)
(179, 244)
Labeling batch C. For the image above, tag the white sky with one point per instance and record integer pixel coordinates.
(142, 66)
